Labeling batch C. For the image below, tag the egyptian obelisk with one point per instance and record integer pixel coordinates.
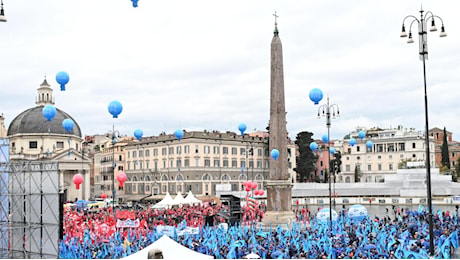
(279, 186)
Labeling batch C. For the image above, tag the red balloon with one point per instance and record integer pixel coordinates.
(256, 192)
(245, 183)
(261, 192)
(103, 195)
(121, 177)
(77, 180)
(248, 188)
(254, 185)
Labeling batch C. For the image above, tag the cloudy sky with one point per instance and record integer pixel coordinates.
(199, 64)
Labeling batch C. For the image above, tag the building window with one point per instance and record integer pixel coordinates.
(234, 163)
(379, 166)
(197, 162)
(207, 149)
(178, 163)
(357, 148)
(178, 150)
(155, 152)
(259, 164)
(216, 149)
(216, 163)
(59, 145)
(234, 151)
(390, 166)
(171, 150)
(207, 163)
(225, 163)
(347, 168)
(147, 153)
(163, 151)
(155, 165)
(259, 152)
(187, 149)
(187, 162)
(225, 150)
(369, 167)
(242, 151)
(134, 154)
(33, 145)
(197, 150)
(141, 153)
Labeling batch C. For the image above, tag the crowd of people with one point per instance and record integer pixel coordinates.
(406, 235)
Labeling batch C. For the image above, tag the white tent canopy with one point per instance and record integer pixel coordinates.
(178, 200)
(170, 249)
(191, 199)
(166, 202)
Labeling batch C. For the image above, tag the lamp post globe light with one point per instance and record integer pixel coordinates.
(326, 110)
(423, 52)
(115, 109)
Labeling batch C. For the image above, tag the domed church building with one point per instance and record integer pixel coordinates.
(33, 137)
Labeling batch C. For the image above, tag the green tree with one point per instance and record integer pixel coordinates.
(457, 170)
(357, 175)
(306, 159)
(445, 161)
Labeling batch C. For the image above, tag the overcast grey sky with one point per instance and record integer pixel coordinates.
(199, 65)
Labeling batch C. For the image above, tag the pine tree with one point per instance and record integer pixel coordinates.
(445, 161)
(306, 160)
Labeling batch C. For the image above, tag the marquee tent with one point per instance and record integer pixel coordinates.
(166, 202)
(170, 249)
(191, 199)
(178, 200)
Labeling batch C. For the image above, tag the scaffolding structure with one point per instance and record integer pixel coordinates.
(30, 218)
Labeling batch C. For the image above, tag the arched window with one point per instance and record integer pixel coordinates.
(207, 177)
(134, 178)
(147, 178)
(243, 177)
(226, 178)
(164, 178)
(259, 177)
(179, 177)
(347, 179)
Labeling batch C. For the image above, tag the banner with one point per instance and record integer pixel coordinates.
(128, 223)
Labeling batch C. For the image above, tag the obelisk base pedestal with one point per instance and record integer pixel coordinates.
(274, 218)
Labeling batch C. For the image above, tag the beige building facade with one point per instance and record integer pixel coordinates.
(391, 148)
(198, 162)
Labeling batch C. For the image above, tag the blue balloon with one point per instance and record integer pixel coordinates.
(115, 108)
(49, 112)
(68, 124)
(138, 134)
(316, 95)
(313, 146)
(325, 138)
(362, 134)
(242, 128)
(134, 2)
(62, 78)
(332, 150)
(352, 141)
(369, 144)
(275, 153)
(179, 134)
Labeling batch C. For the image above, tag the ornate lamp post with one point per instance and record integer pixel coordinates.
(115, 109)
(326, 110)
(423, 51)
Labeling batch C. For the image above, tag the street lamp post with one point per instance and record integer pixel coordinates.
(326, 110)
(423, 51)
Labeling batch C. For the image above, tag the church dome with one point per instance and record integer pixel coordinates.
(32, 121)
